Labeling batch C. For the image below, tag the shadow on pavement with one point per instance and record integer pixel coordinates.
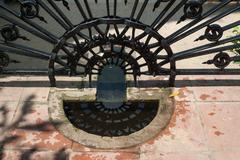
(7, 138)
(142, 83)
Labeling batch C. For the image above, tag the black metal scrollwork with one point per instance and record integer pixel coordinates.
(4, 60)
(192, 10)
(84, 47)
(213, 33)
(29, 9)
(220, 60)
(11, 33)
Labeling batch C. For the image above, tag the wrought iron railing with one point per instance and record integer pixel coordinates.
(137, 47)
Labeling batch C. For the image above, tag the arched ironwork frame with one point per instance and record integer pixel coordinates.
(126, 41)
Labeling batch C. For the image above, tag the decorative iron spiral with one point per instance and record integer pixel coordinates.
(88, 41)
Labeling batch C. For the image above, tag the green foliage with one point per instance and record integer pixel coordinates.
(236, 31)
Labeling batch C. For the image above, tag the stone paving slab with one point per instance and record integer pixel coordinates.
(32, 128)
(7, 112)
(178, 156)
(221, 124)
(204, 126)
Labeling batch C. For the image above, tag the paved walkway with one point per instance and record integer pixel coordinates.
(205, 125)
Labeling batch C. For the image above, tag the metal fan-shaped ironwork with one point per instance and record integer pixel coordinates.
(88, 41)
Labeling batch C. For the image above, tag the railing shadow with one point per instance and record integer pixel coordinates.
(141, 83)
(7, 138)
